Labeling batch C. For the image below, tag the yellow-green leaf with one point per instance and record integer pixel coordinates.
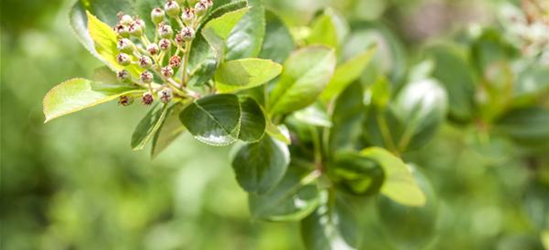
(399, 184)
(77, 94)
(245, 73)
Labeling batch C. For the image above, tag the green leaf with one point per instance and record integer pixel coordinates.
(313, 115)
(278, 43)
(399, 184)
(213, 119)
(148, 126)
(105, 40)
(218, 29)
(245, 73)
(347, 119)
(401, 223)
(305, 75)
(453, 71)
(356, 174)
(247, 37)
(104, 75)
(280, 133)
(169, 131)
(323, 32)
(379, 93)
(252, 121)
(260, 166)
(421, 107)
(332, 226)
(292, 199)
(528, 126)
(347, 73)
(78, 94)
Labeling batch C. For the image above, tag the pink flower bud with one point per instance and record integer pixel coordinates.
(145, 62)
(123, 75)
(147, 77)
(125, 100)
(147, 98)
(125, 45)
(165, 31)
(172, 8)
(122, 30)
(188, 15)
(175, 62)
(201, 8)
(153, 49)
(187, 33)
(125, 19)
(165, 95)
(135, 29)
(165, 44)
(123, 59)
(157, 15)
(167, 71)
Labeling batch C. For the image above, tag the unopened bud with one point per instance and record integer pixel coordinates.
(188, 15)
(145, 62)
(125, 45)
(167, 71)
(153, 49)
(165, 44)
(123, 75)
(187, 33)
(122, 30)
(157, 15)
(123, 59)
(125, 100)
(179, 39)
(147, 98)
(175, 62)
(172, 8)
(125, 19)
(135, 29)
(147, 77)
(165, 31)
(165, 95)
(208, 3)
(140, 22)
(200, 8)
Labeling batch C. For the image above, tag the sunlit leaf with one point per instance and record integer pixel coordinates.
(245, 73)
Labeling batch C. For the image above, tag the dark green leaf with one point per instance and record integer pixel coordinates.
(247, 37)
(292, 199)
(402, 223)
(347, 119)
(529, 126)
(278, 43)
(148, 126)
(356, 174)
(260, 166)
(252, 121)
(169, 131)
(214, 119)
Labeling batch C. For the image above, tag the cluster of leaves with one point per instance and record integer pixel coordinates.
(319, 117)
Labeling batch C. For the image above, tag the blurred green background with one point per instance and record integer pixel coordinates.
(74, 183)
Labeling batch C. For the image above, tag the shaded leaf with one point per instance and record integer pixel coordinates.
(169, 131)
(148, 126)
(356, 174)
(260, 166)
(252, 121)
(247, 37)
(278, 43)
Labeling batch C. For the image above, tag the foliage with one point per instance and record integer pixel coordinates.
(323, 130)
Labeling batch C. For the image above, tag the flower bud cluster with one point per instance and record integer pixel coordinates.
(162, 57)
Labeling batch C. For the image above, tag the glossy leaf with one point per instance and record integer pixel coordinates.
(214, 119)
(346, 73)
(148, 126)
(280, 133)
(278, 43)
(78, 94)
(218, 29)
(313, 115)
(331, 226)
(347, 119)
(169, 131)
(260, 166)
(245, 73)
(292, 199)
(323, 32)
(421, 107)
(252, 121)
(305, 75)
(399, 185)
(247, 37)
